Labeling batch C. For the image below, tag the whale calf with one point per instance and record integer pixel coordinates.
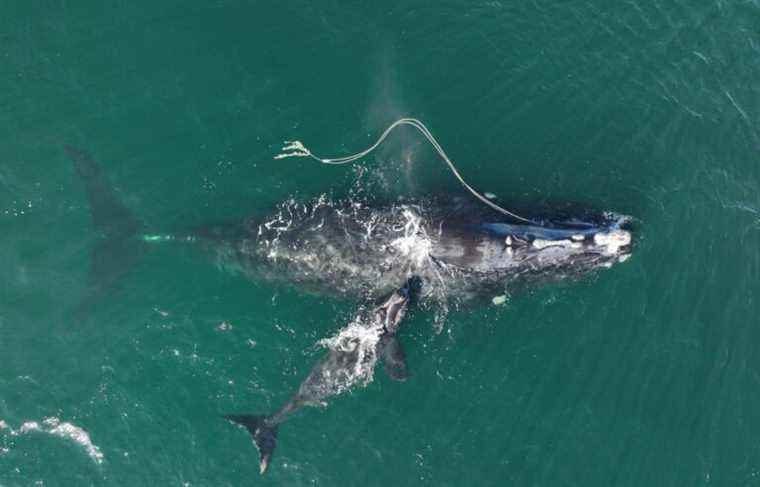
(349, 362)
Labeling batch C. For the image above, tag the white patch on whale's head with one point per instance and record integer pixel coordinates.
(611, 242)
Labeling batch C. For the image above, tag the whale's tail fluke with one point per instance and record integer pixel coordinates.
(264, 435)
(117, 248)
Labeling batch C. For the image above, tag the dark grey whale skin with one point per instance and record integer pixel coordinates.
(459, 251)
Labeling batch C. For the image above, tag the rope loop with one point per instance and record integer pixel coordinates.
(295, 148)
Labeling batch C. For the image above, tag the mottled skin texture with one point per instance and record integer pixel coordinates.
(460, 251)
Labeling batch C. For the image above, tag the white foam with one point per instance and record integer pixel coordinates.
(361, 337)
(75, 434)
(53, 426)
(415, 245)
(29, 426)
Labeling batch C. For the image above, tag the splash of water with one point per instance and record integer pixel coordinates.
(414, 245)
(359, 337)
(53, 426)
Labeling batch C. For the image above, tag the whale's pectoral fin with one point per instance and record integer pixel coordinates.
(393, 357)
(264, 435)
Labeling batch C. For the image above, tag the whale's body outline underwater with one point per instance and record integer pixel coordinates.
(453, 249)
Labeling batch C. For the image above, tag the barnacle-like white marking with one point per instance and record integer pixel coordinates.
(613, 240)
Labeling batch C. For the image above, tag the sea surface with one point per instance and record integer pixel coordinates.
(646, 374)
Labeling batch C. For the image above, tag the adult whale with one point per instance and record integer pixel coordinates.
(460, 250)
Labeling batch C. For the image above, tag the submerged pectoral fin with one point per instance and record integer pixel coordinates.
(393, 357)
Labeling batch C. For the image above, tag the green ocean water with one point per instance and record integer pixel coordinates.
(647, 374)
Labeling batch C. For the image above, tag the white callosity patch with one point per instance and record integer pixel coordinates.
(542, 244)
(613, 240)
(55, 427)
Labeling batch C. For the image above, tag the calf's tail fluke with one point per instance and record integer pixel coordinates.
(117, 248)
(264, 435)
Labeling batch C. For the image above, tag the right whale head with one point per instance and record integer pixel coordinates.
(574, 246)
(565, 248)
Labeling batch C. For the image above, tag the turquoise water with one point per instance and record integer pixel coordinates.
(645, 374)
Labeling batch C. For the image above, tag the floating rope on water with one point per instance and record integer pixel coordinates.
(295, 148)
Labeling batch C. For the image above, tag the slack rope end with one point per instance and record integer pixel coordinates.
(293, 148)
